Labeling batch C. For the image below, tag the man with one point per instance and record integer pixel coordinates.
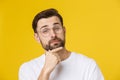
(57, 63)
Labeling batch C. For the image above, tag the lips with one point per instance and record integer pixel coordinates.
(54, 41)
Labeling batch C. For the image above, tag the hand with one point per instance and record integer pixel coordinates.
(52, 59)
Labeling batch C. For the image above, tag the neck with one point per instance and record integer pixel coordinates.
(64, 54)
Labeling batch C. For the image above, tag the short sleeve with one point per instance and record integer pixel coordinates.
(25, 72)
(94, 72)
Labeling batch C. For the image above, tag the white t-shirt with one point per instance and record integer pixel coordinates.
(76, 67)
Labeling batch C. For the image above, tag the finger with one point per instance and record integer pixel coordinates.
(58, 57)
(48, 53)
(56, 50)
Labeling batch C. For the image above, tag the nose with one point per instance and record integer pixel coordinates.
(53, 34)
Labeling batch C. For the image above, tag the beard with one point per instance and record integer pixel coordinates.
(54, 43)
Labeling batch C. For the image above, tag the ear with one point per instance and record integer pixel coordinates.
(64, 29)
(37, 38)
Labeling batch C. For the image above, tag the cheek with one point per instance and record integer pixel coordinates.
(44, 41)
(62, 36)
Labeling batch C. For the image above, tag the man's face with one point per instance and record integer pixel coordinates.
(50, 33)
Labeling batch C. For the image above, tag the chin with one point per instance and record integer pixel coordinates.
(55, 46)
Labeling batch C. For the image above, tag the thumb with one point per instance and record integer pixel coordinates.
(56, 50)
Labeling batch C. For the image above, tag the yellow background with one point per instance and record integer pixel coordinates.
(93, 29)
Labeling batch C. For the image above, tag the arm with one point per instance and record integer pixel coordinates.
(44, 75)
(51, 60)
(95, 73)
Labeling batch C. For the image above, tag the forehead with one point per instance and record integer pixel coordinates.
(48, 21)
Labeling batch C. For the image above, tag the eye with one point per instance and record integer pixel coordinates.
(57, 28)
(45, 30)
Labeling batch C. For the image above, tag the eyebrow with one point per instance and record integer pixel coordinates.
(56, 23)
(44, 26)
(47, 25)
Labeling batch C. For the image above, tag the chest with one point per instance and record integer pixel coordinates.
(70, 72)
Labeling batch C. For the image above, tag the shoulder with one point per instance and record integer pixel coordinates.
(31, 65)
(82, 59)
(86, 63)
(30, 70)
(88, 66)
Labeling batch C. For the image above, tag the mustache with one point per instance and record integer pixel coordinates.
(58, 39)
(50, 47)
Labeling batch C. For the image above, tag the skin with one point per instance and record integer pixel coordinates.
(58, 52)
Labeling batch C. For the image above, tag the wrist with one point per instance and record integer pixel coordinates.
(44, 75)
(46, 71)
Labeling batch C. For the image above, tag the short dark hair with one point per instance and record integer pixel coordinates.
(45, 14)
